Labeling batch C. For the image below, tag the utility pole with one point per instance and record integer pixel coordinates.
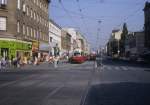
(98, 58)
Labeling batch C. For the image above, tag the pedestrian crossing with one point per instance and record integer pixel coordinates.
(121, 68)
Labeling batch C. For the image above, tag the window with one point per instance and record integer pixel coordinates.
(3, 2)
(40, 35)
(37, 18)
(23, 29)
(51, 39)
(27, 31)
(24, 8)
(37, 34)
(3, 23)
(40, 5)
(31, 13)
(34, 33)
(34, 15)
(18, 27)
(31, 32)
(18, 4)
(37, 2)
(27, 11)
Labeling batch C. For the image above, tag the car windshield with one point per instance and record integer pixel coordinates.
(74, 52)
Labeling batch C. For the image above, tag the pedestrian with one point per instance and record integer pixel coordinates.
(36, 61)
(51, 60)
(18, 61)
(9, 63)
(58, 58)
(15, 62)
(3, 62)
(55, 62)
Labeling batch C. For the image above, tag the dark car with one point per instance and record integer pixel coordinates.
(92, 57)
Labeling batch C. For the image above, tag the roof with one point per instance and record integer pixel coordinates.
(116, 30)
(53, 22)
(147, 6)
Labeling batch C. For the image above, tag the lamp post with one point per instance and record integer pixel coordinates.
(118, 48)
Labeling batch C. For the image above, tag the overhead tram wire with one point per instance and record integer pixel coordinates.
(82, 17)
(128, 17)
(79, 14)
(67, 12)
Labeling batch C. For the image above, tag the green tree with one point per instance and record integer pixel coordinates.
(123, 38)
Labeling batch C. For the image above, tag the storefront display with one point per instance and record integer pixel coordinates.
(12, 47)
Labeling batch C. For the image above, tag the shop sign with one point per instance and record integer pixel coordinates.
(35, 46)
(44, 47)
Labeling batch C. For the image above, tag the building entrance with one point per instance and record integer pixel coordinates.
(4, 52)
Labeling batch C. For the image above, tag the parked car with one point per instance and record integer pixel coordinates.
(92, 57)
(133, 57)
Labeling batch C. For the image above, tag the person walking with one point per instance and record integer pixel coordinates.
(55, 62)
(3, 62)
(36, 61)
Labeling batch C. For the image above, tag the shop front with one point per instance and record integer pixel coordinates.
(10, 48)
(35, 49)
(44, 49)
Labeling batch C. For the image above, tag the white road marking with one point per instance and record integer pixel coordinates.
(117, 68)
(13, 82)
(124, 68)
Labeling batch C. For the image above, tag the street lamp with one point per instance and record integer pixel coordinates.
(118, 47)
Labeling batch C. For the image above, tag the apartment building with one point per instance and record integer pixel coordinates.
(23, 26)
(54, 37)
(147, 24)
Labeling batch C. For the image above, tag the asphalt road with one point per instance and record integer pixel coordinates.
(119, 82)
(115, 83)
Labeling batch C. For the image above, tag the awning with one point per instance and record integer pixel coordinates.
(44, 46)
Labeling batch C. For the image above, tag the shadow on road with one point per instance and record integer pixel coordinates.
(119, 94)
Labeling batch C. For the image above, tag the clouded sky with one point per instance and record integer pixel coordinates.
(85, 14)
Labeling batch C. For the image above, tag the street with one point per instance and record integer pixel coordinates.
(115, 83)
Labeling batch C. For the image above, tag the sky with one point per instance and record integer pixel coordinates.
(96, 19)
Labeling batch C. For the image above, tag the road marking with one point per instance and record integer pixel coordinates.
(13, 82)
(117, 68)
(124, 68)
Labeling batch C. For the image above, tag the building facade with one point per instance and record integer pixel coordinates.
(65, 43)
(134, 44)
(113, 46)
(147, 25)
(54, 37)
(73, 34)
(23, 25)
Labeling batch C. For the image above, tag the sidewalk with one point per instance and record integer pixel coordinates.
(42, 66)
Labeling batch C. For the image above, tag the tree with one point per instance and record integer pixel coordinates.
(123, 38)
